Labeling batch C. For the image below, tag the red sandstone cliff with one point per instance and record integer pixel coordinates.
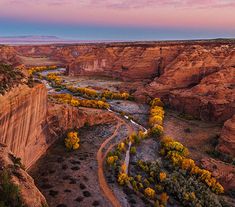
(23, 121)
(212, 99)
(227, 140)
(29, 125)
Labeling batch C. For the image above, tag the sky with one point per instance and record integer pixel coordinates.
(119, 19)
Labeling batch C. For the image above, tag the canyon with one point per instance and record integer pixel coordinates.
(194, 78)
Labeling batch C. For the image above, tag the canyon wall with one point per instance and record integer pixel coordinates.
(29, 125)
(193, 77)
(23, 114)
(227, 138)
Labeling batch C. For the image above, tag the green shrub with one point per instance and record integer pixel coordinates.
(10, 77)
(9, 192)
(133, 150)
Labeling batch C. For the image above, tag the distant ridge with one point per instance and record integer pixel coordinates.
(37, 39)
(32, 39)
(29, 37)
(50, 39)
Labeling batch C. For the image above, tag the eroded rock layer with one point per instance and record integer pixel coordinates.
(227, 138)
(29, 125)
(23, 121)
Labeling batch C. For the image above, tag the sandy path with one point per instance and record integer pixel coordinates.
(101, 158)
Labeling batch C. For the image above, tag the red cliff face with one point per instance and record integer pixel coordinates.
(212, 99)
(199, 81)
(29, 125)
(23, 121)
(227, 140)
(124, 62)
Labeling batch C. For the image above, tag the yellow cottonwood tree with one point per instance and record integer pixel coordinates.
(72, 141)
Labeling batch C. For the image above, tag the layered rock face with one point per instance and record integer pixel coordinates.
(212, 99)
(23, 114)
(9, 55)
(63, 117)
(29, 125)
(227, 138)
(124, 62)
(199, 81)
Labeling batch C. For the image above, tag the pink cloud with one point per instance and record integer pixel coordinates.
(130, 4)
(137, 13)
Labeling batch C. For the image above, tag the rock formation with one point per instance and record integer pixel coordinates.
(227, 138)
(23, 122)
(63, 117)
(212, 99)
(224, 173)
(194, 77)
(29, 125)
(29, 193)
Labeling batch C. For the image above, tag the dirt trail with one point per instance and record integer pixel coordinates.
(100, 159)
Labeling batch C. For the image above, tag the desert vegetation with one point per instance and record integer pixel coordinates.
(174, 177)
(90, 93)
(37, 69)
(69, 99)
(72, 141)
(9, 77)
(106, 94)
(9, 192)
(55, 78)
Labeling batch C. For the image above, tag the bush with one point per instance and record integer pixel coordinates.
(164, 198)
(111, 160)
(84, 91)
(54, 77)
(36, 69)
(9, 77)
(123, 178)
(150, 193)
(156, 102)
(69, 99)
(133, 150)
(162, 176)
(121, 147)
(177, 153)
(72, 141)
(9, 192)
(157, 130)
(115, 95)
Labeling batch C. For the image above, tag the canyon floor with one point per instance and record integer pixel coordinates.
(47, 91)
(80, 178)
